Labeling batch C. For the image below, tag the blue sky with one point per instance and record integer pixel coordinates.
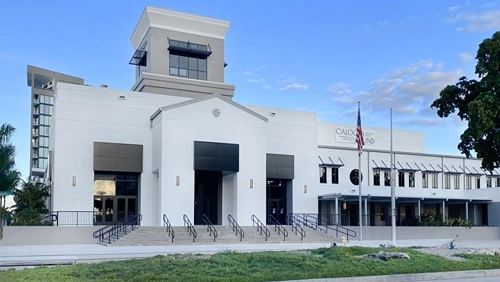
(321, 56)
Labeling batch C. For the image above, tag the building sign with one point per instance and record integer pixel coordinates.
(348, 135)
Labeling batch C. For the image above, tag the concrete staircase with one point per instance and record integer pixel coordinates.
(154, 236)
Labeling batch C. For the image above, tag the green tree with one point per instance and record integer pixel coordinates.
(478, 103)
(30, 203)
(9, 176)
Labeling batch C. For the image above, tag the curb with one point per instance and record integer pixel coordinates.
(451, 275)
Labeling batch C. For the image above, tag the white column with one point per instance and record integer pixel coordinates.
(336, 210)
(419, 211)
(444, 212)
(467, 210)
(366, 211)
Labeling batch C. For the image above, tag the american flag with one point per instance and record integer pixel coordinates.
(359, 134)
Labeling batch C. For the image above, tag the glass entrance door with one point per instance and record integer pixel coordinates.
(276, 200)
(125, 206)
(104, 208)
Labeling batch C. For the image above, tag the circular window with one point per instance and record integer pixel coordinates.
(216, 112)
(354, 176)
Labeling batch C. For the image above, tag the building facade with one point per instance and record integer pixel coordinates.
(177, 144)
(42, 83)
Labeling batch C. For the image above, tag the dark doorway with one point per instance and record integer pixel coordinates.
(208, 185)
(276, 200)
(116, 196)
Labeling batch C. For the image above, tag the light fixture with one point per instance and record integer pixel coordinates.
(251, 183)
(305, 188)
(344, 205)
(177, 180)
(73, 181)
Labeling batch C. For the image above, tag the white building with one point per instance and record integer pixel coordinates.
(178, 144)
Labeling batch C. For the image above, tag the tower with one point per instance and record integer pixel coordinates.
(43, 83)
(179, 54)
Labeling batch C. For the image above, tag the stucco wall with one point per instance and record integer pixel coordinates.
(48, 235)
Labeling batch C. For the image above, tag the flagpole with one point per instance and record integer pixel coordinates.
(393, 194)
(359, 183)
(360, 198)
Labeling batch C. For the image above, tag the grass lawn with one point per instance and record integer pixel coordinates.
(258, 266)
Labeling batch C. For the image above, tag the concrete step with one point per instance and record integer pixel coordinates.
(155, 235)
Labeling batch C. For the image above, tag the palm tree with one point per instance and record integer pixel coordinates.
(30, 203)
(9, 176)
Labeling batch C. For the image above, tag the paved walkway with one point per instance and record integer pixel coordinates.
(95, 252)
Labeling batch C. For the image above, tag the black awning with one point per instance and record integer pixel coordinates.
(473, 171)
(189, 49)
(430, 168)
(139, 58)
(383, 166)
(407, 167)
(451, 171)
(330, 162)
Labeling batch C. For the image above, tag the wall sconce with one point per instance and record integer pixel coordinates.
(344, 205)
(177, 180)
(305, 188)
(251, 183)
(73, 181)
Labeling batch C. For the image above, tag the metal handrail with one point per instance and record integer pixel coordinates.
(312, 219)
(190, 227)
(236, 226)
(210, 226)
(278, 227)
(260, 226)
(114, 231)
(170, 229)
(295, 223)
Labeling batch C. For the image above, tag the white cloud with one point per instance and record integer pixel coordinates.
(339, 88)
(383, 23)
(465, 57)
(255, 76)
(409, 90)
(294, 86)
(454, 8)
(479, 21)
(256, 80)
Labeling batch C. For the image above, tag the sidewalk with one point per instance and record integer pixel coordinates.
(96, 252)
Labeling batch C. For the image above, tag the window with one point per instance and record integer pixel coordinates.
(189, 67)
(457, 181)
(322, 174)
(468, 182)
(425, 180)
(401, 179)
(434, 180)
(489, 181)
(478, 182)
(354, 176)
(497, 182)
(335, 175)
(447, 180)
(411, 179)
(387, 178)
(376, 177)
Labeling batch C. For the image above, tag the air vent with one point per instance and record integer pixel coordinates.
(122, 97)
